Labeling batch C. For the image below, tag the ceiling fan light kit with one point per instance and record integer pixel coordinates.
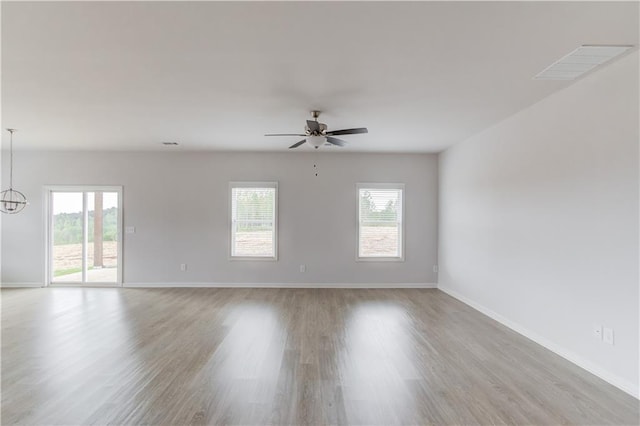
(317, 134)
(12, 201)
(316, 141)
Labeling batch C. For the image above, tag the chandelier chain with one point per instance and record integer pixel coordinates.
(11, 158)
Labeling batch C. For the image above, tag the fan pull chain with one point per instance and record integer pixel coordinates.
(315, 162)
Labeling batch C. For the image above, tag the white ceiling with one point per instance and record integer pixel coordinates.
(218, 75)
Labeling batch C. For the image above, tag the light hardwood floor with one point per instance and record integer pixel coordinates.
(281, 356)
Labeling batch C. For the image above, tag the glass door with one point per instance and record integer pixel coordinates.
(84, 236)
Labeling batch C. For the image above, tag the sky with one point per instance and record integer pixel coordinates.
(71, 202)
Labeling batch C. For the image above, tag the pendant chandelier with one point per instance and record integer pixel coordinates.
(12, 201)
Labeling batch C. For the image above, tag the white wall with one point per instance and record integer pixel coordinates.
(178, 203)
(539, 221)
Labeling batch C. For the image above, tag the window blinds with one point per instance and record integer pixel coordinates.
(253, 223)
(380, 222)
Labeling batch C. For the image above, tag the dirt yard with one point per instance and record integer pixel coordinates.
(69, 256)
(377, 241)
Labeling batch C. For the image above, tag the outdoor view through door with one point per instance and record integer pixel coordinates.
(83, 237)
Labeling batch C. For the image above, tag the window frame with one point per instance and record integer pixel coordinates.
(401, 222)
(48, 191)
(257, 185)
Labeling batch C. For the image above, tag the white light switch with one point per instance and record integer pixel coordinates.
(607, 335)
(130, 230)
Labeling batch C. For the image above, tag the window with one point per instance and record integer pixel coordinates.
(380, 217)
(253, 220)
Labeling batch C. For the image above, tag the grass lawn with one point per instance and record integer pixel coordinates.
(61, 272)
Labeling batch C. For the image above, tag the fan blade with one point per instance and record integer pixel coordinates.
(336, 141)
(348, 131)
(284, 134)
(313, 126)
(297, 144)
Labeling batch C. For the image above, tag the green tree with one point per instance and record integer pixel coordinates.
(67, 227)
(367, 207)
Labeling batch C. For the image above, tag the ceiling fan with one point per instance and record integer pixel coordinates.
(316, 133)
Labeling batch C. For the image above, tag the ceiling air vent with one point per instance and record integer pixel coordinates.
(170, 143)
(582, 60)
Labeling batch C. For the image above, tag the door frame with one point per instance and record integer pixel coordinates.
(48, 219)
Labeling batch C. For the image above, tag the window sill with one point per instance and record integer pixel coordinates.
(380, 259)
(254, 258)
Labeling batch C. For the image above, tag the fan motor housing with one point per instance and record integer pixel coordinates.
(323, 129)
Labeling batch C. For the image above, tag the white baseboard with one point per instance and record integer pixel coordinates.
(85, 285)
(613, 379)
(280, 285)
(20, 285)
(231, 285)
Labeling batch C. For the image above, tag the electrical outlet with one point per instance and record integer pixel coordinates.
(303, 268)
(597, 332)
(435, 268)
(607, 335)
(130, 230)
(183, 267)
